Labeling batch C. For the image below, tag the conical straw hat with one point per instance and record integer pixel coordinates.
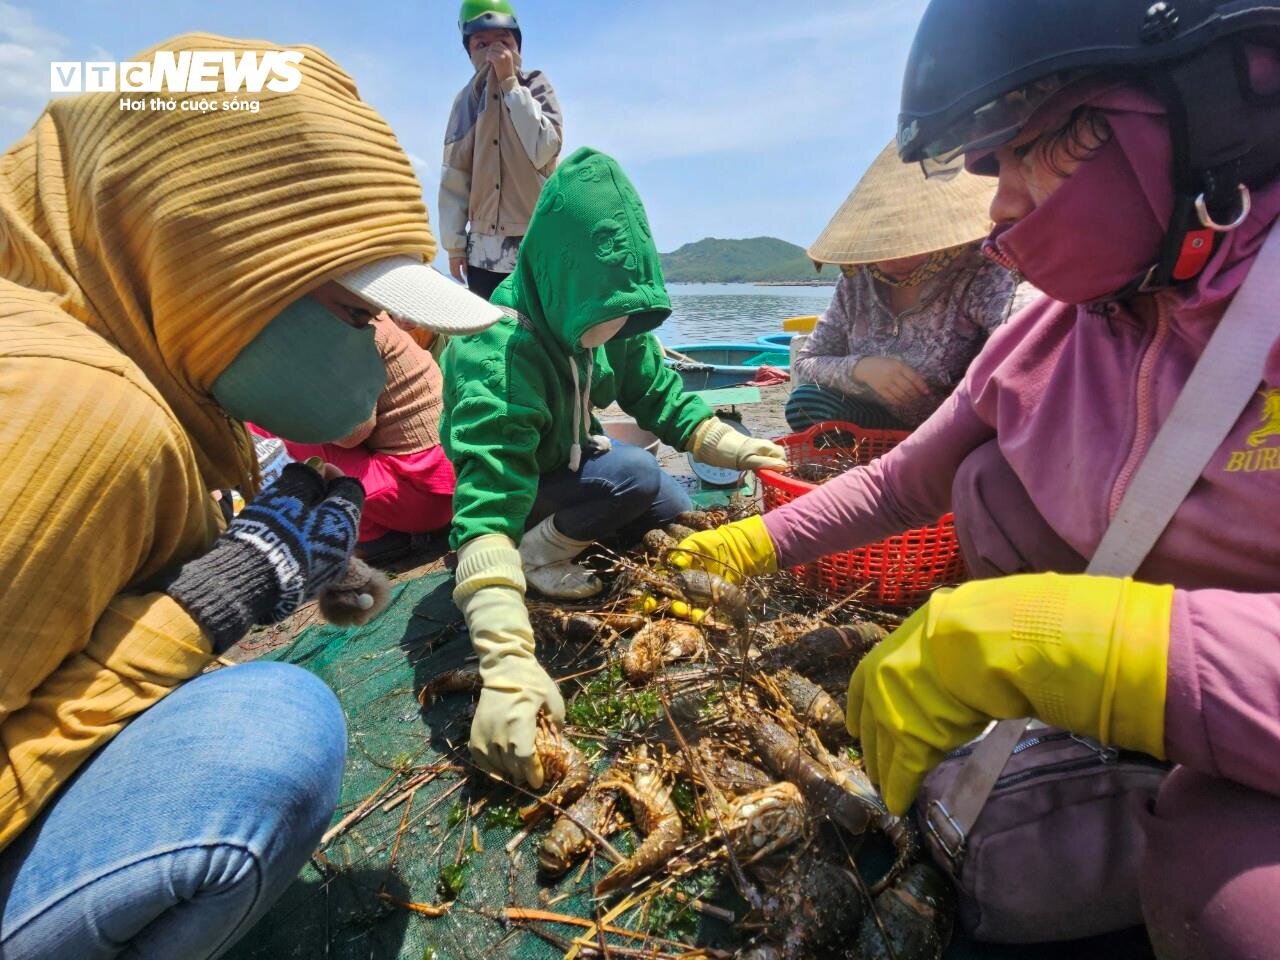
(896, 212)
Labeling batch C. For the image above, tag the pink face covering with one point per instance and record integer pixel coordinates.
(1096, 234)
(1102, 228)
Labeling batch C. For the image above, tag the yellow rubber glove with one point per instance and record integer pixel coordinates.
(735, 551)
(1089, 654)
(490, 594)
(716, 443)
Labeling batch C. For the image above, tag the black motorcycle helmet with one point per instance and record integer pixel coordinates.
(979, 69)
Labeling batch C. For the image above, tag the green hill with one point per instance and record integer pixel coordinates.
(760, 259)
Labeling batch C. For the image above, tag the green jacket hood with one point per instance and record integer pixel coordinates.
(588, 256)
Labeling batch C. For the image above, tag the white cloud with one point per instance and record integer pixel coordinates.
(418, 163)
(19, 26)
(25, 51)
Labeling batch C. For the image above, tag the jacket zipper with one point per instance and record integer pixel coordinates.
(1145, 403)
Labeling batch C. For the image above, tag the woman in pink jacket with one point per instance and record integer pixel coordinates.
(1137, 147)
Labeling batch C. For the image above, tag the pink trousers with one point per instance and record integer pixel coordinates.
(409, 493)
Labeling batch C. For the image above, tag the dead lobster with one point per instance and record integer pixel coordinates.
(655, 816)
(570, 838)
(659, 643)
(564, 766)
(812, 909)
(844, 795)
(916, 914)
(462, 680)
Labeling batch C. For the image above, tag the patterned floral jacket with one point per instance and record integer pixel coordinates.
(937, 338)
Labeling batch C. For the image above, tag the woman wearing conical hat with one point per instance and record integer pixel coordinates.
(914, 305)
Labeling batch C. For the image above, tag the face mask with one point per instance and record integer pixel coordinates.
(602, 333)
(307, 377)
(1096, 233)
(937, 263)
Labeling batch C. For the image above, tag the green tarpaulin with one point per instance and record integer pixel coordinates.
(354, 901)
(344, 906)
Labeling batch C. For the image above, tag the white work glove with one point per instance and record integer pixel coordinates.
(716, 443)
(490, 594)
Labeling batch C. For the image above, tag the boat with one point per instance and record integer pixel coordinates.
(780, 341)
(710, 366)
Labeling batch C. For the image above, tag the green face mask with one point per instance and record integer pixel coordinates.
(307, 377)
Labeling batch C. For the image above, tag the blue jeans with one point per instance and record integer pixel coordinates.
(620, 494)
(185, 828)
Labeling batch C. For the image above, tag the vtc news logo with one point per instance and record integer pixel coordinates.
(190, 71)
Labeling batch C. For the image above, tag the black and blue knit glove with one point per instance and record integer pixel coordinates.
(286, 545)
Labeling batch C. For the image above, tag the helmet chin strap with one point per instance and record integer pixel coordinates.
(1224, 137)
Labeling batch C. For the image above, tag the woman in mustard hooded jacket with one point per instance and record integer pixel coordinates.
(531, 465)
(163, 275)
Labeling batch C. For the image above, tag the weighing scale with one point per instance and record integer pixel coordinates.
(714, 486)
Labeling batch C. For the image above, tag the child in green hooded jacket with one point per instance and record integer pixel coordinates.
(531, 463)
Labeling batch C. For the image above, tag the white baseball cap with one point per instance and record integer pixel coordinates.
(411, 290)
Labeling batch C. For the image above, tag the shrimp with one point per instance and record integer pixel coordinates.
(697, 520)
(564, 766)
(785, 630)
(901, 831)
(727, 774)
(813, 705)
(580, 627)
(656, 817)
(658, 543)
(713, 593)
(818, 473)
(678, 531)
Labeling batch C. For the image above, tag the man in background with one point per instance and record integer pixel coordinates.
(502, 141)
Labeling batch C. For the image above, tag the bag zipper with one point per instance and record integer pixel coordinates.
(1101, 756)
(1026, 743)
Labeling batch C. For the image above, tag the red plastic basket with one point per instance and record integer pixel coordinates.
(899, 572)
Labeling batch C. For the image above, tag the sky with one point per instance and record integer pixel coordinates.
(739, 118)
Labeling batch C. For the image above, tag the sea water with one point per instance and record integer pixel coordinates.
(736, 312)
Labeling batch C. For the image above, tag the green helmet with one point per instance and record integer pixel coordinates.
(477, 15)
